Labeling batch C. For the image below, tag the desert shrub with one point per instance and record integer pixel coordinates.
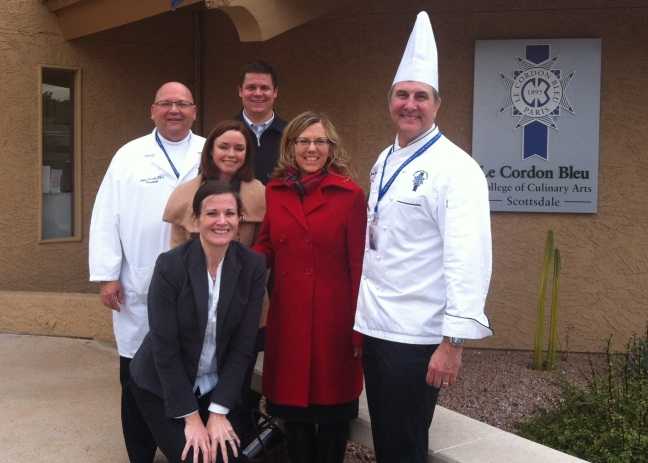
(607, 419)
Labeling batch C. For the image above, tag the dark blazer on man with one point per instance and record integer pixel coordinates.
(167, 362)
(267, 149)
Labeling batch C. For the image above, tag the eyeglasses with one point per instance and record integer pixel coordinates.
(180, 104)
(306, 142)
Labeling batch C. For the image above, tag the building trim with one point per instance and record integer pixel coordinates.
(255, 20)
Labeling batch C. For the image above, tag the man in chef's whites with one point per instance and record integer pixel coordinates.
(427, 261)
(127, 233)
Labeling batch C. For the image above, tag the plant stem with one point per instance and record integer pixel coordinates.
(538, 342)
(553, 320)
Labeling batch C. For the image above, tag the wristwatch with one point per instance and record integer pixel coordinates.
(454, 342)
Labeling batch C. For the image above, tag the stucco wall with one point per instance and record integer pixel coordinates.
(121, 69)
(55, 314)
(343, 64)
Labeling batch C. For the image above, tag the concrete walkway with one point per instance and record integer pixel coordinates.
(60, 403)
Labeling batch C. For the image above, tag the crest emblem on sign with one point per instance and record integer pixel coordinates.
(537, 93)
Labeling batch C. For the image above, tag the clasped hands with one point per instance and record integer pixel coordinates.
(218, 433)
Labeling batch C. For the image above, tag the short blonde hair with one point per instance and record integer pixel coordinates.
(338, 160)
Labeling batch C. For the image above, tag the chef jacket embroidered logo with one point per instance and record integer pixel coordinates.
(372, 174)
(536, 94)
(420, 176)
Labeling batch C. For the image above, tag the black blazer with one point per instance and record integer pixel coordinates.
(167, 361)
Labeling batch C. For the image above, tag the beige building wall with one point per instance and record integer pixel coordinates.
(343, 64)
(120, 69)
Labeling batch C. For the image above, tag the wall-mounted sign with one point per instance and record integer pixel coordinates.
(536, 123)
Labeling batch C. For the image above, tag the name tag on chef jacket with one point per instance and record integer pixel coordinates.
(154, 179)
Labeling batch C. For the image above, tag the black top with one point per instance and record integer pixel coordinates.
(166, 363)
(267, 150)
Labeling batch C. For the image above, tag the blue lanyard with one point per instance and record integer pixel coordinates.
(383, 190)
(159, 142)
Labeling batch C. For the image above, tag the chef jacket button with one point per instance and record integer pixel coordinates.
(309, 271)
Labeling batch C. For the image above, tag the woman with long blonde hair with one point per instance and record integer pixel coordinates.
(313, 239)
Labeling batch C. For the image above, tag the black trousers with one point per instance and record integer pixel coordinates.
(169, 432)
(317, 442)
(139, 441)
(401, 403)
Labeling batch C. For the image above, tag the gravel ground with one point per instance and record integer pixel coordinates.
(498, 388)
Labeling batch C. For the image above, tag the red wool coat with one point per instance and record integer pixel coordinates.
(315, 250)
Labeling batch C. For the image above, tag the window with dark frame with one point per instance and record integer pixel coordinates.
(58, 153)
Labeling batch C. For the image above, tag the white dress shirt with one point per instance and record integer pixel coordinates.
(258, 129)
(207, 376)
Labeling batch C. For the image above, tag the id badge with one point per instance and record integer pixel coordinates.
(373, 234)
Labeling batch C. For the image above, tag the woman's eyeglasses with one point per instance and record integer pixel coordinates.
(306, 142)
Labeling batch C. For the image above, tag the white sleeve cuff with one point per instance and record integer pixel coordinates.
(215, 408)
(184, 416)
(466, 327)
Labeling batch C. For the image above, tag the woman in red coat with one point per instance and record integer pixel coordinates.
(313, 237)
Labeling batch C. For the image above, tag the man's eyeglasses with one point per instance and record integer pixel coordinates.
(305, 142)
(180, 104)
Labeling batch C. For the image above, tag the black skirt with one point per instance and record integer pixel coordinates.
(314, 413)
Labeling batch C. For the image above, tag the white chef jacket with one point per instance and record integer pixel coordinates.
(126, 230)
(430, 273)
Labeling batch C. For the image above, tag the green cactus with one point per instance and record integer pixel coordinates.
(540, 360)
(552, 347)
(538, 341)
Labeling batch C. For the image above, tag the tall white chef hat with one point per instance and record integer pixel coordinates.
(419, 62)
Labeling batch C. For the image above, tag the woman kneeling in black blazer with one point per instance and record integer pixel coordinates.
(204, 305)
